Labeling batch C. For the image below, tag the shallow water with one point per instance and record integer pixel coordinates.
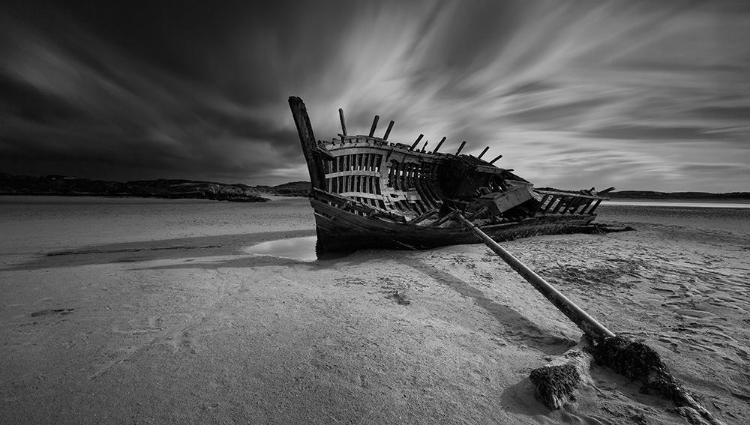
(720, 217)
(302, 249)
(29, 224)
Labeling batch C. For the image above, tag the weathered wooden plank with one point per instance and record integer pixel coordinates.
(562, 193)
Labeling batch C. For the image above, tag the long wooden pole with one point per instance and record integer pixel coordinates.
(586, 323)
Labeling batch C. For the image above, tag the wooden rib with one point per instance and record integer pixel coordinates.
(460, 147)
(496, 158)
(439, 144)
(585, 205)
(424, 216)
(395, 182)
(477, 213)
(544, 204)
(374, 125)
(402, 176)
(388, 131)
(483, 152)
(563, 202)
(552, 202)
(446, 218)
(416, 142)
(576, 205)
(343, 123)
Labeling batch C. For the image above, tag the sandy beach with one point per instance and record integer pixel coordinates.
(153, 311)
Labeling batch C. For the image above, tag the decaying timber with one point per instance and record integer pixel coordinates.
(368, 192)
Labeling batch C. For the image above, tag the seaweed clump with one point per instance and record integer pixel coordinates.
(555, 384)
(639, 362)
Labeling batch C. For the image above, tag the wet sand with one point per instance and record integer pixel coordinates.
(157, 313)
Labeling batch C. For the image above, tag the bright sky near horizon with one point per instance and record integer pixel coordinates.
(573, 94)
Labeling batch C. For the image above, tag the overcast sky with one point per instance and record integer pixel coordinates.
(573, 94)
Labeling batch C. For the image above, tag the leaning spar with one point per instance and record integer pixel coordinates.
(583, 320)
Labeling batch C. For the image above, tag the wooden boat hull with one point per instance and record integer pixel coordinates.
(368, 192)
(339, 230)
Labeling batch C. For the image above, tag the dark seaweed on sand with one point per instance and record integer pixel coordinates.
(639, 362)
(554, 384)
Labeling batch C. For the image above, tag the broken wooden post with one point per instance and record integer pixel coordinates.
(496, 158)
(388, 131)
(460, 147)
(483, 152)
(374, 125)
(439, 144)
(343, 124)
(425, 145)
(586, 323)
(309, 144)
(416, 142)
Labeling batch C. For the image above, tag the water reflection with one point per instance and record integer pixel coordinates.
(302, 249)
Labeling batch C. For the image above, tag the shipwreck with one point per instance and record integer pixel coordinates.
(369, 192)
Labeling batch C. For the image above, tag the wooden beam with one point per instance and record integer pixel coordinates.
(343, 123)
(416, 142)
(424, 216)
(496, 158)
(460, 147)
(374, 125)
(483, 152)
(439, 144)
(388, 131)
(425, 145)
(309, 144)
(577, 315)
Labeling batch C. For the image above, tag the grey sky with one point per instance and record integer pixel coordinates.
(637, 95)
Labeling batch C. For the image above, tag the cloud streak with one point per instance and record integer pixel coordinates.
(573, 94)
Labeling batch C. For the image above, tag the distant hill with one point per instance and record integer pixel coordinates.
(176, 189)
(161, 188)
(645, 194)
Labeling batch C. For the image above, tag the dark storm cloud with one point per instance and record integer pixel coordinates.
(75, 100)
(570, 92)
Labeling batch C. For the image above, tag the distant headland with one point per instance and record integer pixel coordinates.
(162, 188)
(180, 189)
